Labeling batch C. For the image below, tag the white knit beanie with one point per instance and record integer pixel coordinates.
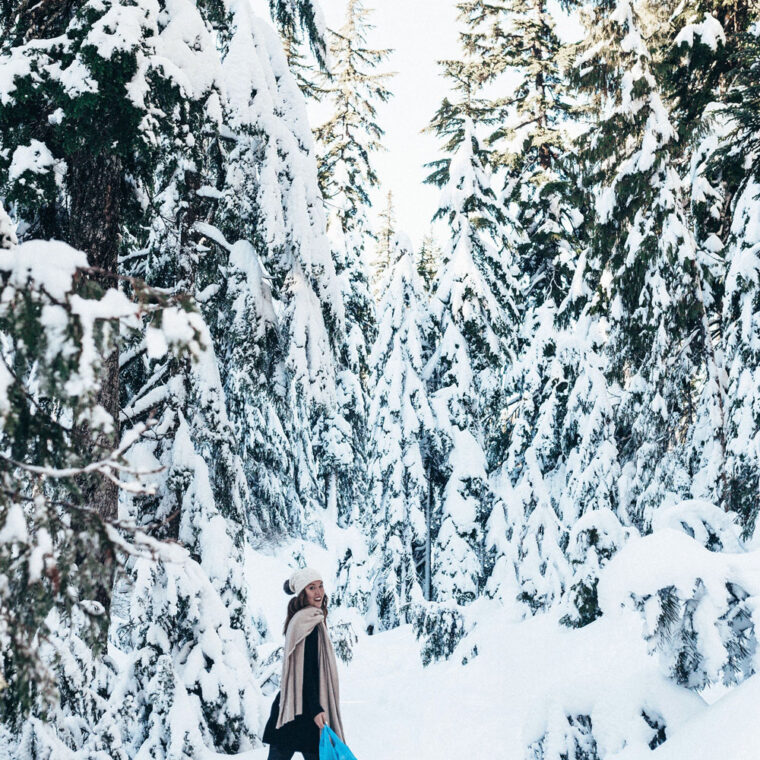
(301, 579)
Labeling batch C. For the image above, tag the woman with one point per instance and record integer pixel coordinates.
(308, 697)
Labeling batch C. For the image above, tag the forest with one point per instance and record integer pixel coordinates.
(525, 450)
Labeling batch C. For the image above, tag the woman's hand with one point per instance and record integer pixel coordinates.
(321, 720)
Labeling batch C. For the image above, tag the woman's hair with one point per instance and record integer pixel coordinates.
(298, 603)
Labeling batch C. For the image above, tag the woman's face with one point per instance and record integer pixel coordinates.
(315, 593)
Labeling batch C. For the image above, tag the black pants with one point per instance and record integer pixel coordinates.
(278, 753)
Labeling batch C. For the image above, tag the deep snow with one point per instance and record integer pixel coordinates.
(526, 677)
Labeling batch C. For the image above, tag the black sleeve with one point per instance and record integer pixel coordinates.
(311, 706)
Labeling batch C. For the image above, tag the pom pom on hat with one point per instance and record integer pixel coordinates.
(301, 579)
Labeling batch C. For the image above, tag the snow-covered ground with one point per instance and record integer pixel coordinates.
(727, 730)
(525, 676)
(524, 679)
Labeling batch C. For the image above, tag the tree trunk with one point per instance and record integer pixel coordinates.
(95, 187)
(95, 190)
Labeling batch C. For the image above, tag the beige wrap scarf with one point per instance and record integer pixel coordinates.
(291, 687)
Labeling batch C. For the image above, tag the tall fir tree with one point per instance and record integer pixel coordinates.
(474, 303)
(741, 300)
(346, 142)
(385, 234)
(544, 421)
(403, 434)
(698, 68)
(652, 284)
(210, 143)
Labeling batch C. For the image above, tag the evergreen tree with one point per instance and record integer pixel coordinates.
(352, 133)
(402, 428)
(57, 327)
(66, 178)
(301, 17)
(482, 38)
(561, 455)
(211, 143)
(306, 74)
(559, 415)
(474, 305)
(734, 165)
(346, 142)
(541, 184)
(741, 360)
(652, 284)
(385, 236)
(698, 69)
(181, 642)
(428, 259)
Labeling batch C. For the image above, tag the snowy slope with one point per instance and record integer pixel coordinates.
(728, 729)
(526, 677)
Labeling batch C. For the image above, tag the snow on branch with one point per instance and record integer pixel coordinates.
(700, 608)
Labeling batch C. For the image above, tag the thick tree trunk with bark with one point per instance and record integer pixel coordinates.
(95, 186)
(95, 191)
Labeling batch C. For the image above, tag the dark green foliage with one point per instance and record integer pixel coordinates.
(441, 626)
(584, 602)
(578, 738)
(79, 127)
(743, 102)
(294, 16)
(657, 724)
(59, 554)
(698, 75)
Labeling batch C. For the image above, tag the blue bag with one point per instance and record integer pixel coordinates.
(331, 747)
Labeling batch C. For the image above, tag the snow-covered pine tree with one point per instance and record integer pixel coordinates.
(65, 178)
(247, 202)
(403, 434)
(346, 142)
(652, 284)
(134, 63)
(700, 63)
(560, 461)
(58, 553)
(541, 185)
(302, 20)
(74, 141)
(255, 214)
(385, 234)
(351, 133)
(428, 259)
(263, 227)
(558, 411)
(474, 305)
(742, 298)
(712, 59)
(216, 128)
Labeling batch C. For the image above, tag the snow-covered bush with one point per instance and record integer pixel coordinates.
(185, 681)
(700, 610)
(441, 626)
(570, 737)
(594, 539)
